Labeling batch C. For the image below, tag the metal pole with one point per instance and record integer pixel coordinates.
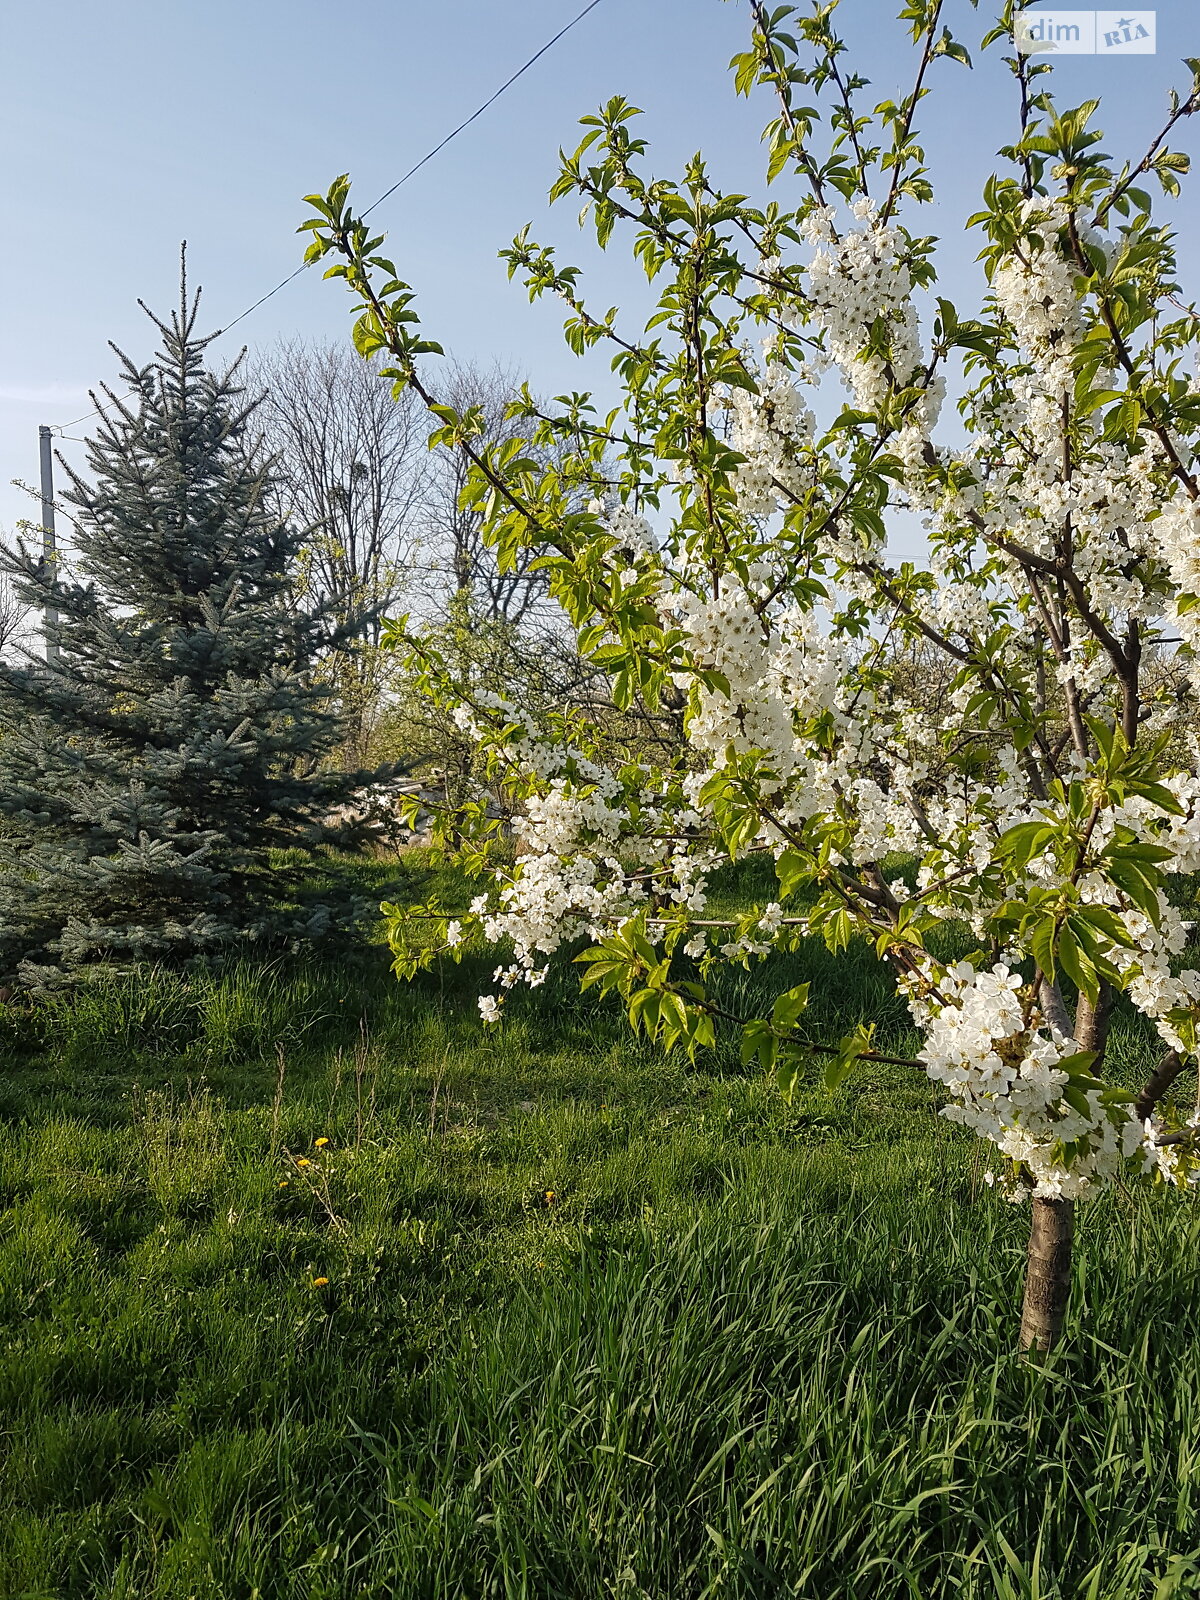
(49, 549)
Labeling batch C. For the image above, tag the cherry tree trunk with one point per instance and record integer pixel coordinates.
(1048, 1273)
(1052, 1222)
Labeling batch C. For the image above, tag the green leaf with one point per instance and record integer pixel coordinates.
(1076, 962)
(850, 1049)
(788, 1007)
(793, 872)
(786, 1075)
(758, 1039)
(1141, 888)
(644, 1011)
(1041, 945)
(1077, 1065)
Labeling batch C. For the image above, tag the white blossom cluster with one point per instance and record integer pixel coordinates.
(780, 672)
(630, 530)
(1035, 288)
(570, 881)
(1122, 545)
(1006, 1084)
(773, 429)
(856, 279)
(1177, 532)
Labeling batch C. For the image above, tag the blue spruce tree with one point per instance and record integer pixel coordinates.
(178, 732)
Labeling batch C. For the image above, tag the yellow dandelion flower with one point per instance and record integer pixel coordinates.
(283, 1183)
(319, 1142)
(551, 1197)
(303, 1162)
(319, 1283)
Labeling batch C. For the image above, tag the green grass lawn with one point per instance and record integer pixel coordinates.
(549, 1315)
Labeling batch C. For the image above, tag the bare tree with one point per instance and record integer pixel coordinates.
(14, 616)
(352, 466)
(458, 556)
(385, 513)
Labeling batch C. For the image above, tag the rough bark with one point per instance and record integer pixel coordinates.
(1047, 1273)
(1157, 1084)
(1091, 1021)
(1055, 1012)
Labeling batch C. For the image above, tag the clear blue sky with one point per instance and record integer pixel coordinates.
(131, 125)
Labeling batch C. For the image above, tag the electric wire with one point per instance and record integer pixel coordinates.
(61, 431)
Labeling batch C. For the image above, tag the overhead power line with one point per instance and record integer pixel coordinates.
(386, 195)
(549, 45)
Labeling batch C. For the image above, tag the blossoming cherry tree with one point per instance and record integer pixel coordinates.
(718, 540)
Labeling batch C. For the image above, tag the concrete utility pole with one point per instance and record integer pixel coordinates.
(49, 549)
